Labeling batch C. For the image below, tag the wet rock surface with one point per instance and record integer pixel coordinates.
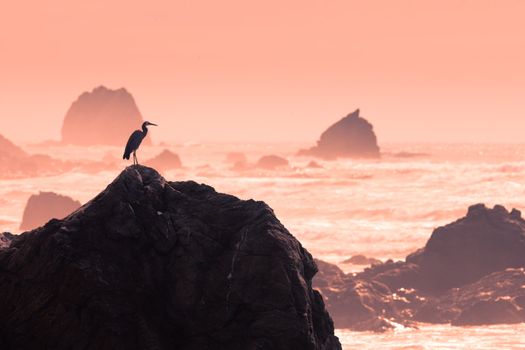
(152, 264)
(351, 137)
(42, 207)
(471, 272)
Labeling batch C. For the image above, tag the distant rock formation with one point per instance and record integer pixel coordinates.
(45, 206)
(351, 137)
(9, 150)
(272, 162)
(102, 117)
(361, 260)
(470, 272)
(152, 264)
(166, 160)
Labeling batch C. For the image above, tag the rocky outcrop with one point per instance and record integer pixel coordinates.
(166, 160)
(42, 207)
(351, 137)
(16, 163)
(360, 259)
(470, 272)
(102, 116)
(271, 162)
(152, 264)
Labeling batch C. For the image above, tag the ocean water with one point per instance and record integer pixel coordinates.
(383, 208)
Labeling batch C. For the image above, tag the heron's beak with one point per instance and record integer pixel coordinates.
(153, 124)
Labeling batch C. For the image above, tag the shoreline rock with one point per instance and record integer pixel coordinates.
(150, 263)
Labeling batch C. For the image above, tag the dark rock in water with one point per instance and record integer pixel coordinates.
(45, 206)
(361, 260)
(351, 137)
(494, 299)
(102, 116)
(484, 241)
(471, 272)
(152, 264)
(5, 239)
(272, 162)
(166, 160)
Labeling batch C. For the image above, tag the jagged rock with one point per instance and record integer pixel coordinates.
(152, 264)
(45, 206)
(361, 260)
(102, 116)
(352, 137)
(469, 273)
(166, 160)
(484, 241)
(272, 162)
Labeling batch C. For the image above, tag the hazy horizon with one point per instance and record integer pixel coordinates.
(447, 71)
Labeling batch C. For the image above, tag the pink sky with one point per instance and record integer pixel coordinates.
(271, 70)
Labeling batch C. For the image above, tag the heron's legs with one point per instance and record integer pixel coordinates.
(135, 159)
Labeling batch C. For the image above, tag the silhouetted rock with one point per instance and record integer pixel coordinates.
(351, 137)
(151, 264)
(361, 260)
(272, 162)
(102, 116)
(484, 241)
(469, 273)
(45, 206)
(5, 239)
(166, 160)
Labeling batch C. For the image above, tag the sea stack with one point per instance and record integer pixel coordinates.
(102, 117)
(153, 264)
(42, 207)
(351, 137)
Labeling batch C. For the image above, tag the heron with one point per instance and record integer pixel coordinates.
(134, 142)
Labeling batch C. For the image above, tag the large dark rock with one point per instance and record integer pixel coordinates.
(469, 273)
(351, 137)
(102, 116)
(152, 264)
(484, 241)
(42, 207)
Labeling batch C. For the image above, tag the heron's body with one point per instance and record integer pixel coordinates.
(134, 142)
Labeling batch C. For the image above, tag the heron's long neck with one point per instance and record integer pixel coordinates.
(145, 130)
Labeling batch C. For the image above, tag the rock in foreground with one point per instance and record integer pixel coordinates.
(42, 207)
(351, 137)
(151, 264)
(102, 117)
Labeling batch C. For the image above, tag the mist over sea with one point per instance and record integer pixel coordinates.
(383, 208)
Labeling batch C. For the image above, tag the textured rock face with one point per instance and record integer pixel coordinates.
(45, 206)
(151, 264)
(5, 239)
(102, 116)
(166, 160)
(351, 137)
(469, 273)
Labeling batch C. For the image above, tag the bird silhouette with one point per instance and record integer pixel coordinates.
(134, 142)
